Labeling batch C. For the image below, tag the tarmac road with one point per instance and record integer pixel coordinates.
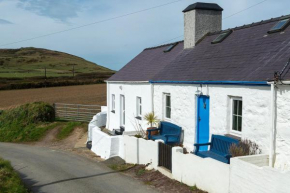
(47, 170)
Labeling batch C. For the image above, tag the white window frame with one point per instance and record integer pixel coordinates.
(139, 106)
(232, 113)
(113, 103)
(165, 107)
(122, 110)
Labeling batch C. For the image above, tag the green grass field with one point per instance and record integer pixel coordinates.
(31, 62)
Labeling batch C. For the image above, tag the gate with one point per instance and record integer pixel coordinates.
(165, 156)
(76, 112)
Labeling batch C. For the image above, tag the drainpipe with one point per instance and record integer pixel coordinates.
(273, 126)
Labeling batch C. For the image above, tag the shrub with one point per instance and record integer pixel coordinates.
(26, 122)
(29, 113)
(245, 147)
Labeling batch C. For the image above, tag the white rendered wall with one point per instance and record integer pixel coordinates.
(140, 151)
(106, 146)
(252, 175)
(256, 110)
(283, 128)
(131, 92)
(207, 174)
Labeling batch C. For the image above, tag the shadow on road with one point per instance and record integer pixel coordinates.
(71, 179)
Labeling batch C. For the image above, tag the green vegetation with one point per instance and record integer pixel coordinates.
(28, 122)
(35, 68)
(31, 62)
(10, 181)
(67, 130)
(141, 172)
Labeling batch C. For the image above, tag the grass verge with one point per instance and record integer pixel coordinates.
(67, 130)
(10, 181)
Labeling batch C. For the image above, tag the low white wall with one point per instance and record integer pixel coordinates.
(140, 151)
(106, 146)
(247, 176)
(207, 174)
(98, 120)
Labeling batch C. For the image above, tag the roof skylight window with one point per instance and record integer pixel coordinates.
(280, 26)
(221, 37)
(170, 47)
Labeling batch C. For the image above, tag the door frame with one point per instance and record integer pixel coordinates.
(197, 116)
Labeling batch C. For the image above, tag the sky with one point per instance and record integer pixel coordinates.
(113, 43)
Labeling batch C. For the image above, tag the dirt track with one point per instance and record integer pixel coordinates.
(84, 94)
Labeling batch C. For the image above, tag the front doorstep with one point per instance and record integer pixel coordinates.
(165, 172)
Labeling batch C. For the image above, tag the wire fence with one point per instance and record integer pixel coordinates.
(76, 112)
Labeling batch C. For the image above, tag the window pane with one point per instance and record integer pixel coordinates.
(240, 109)
(280, 24)
(140, 112)
(168, 102)
(239, 124)
(168, 112)
(235, 110)
(235, 123)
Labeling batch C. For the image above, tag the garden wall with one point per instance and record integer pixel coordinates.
(207, 174)
(251, 174)
(140, 151)
(106, 146)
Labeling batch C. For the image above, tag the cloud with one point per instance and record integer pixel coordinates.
(61, 10)
(5, 22)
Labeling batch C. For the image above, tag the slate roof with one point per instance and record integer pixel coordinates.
(248, 54)
(147, 64)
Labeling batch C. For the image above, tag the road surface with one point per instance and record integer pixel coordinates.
(47, 170)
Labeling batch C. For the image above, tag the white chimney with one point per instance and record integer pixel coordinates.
(200, 19)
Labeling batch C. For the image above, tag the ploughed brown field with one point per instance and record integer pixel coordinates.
(94, 94)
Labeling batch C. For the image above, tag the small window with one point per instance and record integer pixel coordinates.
(169, 48)
(237, 114)
(139, 107)
(113, 103)
(280, 26)
(167, 106)
(221, 37)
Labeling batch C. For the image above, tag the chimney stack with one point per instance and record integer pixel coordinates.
(200, 19)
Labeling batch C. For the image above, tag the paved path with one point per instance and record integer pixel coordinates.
(47, 170)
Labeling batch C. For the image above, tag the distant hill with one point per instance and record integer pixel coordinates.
(31, 62)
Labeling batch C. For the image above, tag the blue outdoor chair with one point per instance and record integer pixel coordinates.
(168, 132)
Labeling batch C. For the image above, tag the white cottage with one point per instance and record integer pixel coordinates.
(233, 82)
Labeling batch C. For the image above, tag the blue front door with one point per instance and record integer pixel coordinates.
(203, 121)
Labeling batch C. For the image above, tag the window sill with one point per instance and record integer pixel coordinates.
(138, 117)
(113, 111)
(235, 133)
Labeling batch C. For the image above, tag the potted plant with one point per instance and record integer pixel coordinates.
(152, 120)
